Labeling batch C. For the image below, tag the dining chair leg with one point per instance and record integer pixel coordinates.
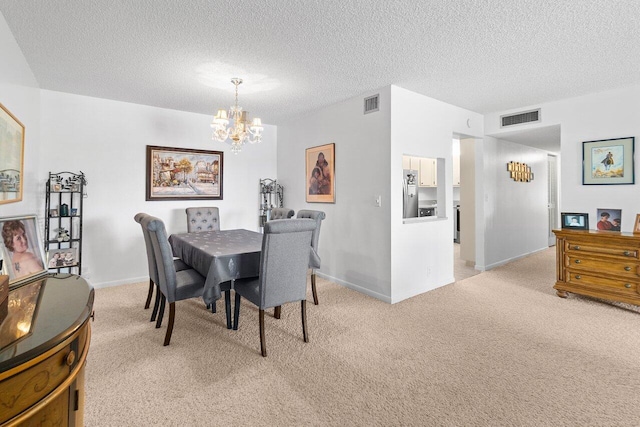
(227, 307)
(236, 312)
(313, 287)
(172, 315)
(163, 299)
(263, 344)
(303, 308)
(149, 294)
(156, 304)
(277, 312)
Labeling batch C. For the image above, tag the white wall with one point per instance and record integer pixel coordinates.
(355, 237)
(107, 141)
(516, 219)
(20, 94)
(605, 115)
(422, 252)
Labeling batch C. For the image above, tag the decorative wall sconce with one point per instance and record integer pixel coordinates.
(520, 172)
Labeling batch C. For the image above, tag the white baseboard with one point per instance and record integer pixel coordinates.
(357, 288)
(506, 261)
(119, 282)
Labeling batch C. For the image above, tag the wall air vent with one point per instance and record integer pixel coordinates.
(371, 104)
(520, 118)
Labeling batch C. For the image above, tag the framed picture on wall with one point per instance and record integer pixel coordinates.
(320, 174)
(575, 221)
(11, 157)
(21, 249)
(608, 161)
(183, 174)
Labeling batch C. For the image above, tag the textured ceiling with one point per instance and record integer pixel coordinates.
(297, 56)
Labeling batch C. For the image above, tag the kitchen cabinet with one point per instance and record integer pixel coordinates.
(409, 162)
(428, 173)
(456, 170)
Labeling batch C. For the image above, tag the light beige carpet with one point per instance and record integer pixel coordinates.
(497, 349)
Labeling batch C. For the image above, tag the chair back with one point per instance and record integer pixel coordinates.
(167, 281)
(202, 219)
(317, 216)
(151, 259)
(281, 213)
(284, 261)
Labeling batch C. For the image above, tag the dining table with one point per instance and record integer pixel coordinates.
(219, 256)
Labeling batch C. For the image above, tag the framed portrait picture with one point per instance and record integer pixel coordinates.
(60, 258)
(183, 174)
(21, 248)
(320, 182)
(609, 219)
(608, 161)
(636, 226)
(575, 221)
(11, 157)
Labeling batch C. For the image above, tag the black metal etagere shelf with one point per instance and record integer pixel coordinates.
(63, 222)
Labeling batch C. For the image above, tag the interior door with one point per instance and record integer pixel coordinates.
(553, 197)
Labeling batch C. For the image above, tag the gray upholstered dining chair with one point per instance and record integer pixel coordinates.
(203, 219)
(314, 258)
(283, 272)
(153, 267)
(281, 213)
(173, 285)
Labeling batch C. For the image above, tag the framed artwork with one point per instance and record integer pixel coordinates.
(609, 219)
(636, 226)
(21, 248)
(11, 157)
(320, 174)
(608, 161)
(183, 174)
(575, 221)
(58, 258)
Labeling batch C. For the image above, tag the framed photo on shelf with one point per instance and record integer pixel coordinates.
(575, 221)
(11, 157)
(53, 212)
(183, 174)
(608, 161)
(636, 225)
(320, 174)
(20, 248)
(60, 258)
(609, 219)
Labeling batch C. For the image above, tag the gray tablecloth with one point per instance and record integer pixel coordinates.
(219, 256)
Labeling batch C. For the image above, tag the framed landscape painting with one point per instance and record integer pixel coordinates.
(320, 174)
(183, 174)
(11, 157)
(608, 161)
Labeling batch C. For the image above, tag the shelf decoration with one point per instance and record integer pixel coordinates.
(520, 172)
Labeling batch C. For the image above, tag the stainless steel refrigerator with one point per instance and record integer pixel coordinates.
(410, 193)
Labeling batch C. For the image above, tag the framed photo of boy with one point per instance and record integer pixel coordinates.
(21, 248)
(320, 174)
(575, 221)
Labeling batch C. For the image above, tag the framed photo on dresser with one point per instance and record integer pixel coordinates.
(575, 221)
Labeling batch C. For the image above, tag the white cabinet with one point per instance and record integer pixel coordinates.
(456, 170)
(409, 162)
(428, 173)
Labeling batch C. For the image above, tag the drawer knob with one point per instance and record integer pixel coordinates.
(71, 357)
(627, 285)
(627, 268)
(577, 248)
(578, 261)
(578, 276)
(627, 253)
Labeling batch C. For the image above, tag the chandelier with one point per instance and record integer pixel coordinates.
(240, 131)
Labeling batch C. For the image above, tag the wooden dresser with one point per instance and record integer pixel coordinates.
(44, 341)
(601, 264)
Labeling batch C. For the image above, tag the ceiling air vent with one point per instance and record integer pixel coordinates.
(520, 118)
(371, 104)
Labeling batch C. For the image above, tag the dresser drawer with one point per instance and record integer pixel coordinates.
(618, 285)
(574, 247)
(619, 268)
